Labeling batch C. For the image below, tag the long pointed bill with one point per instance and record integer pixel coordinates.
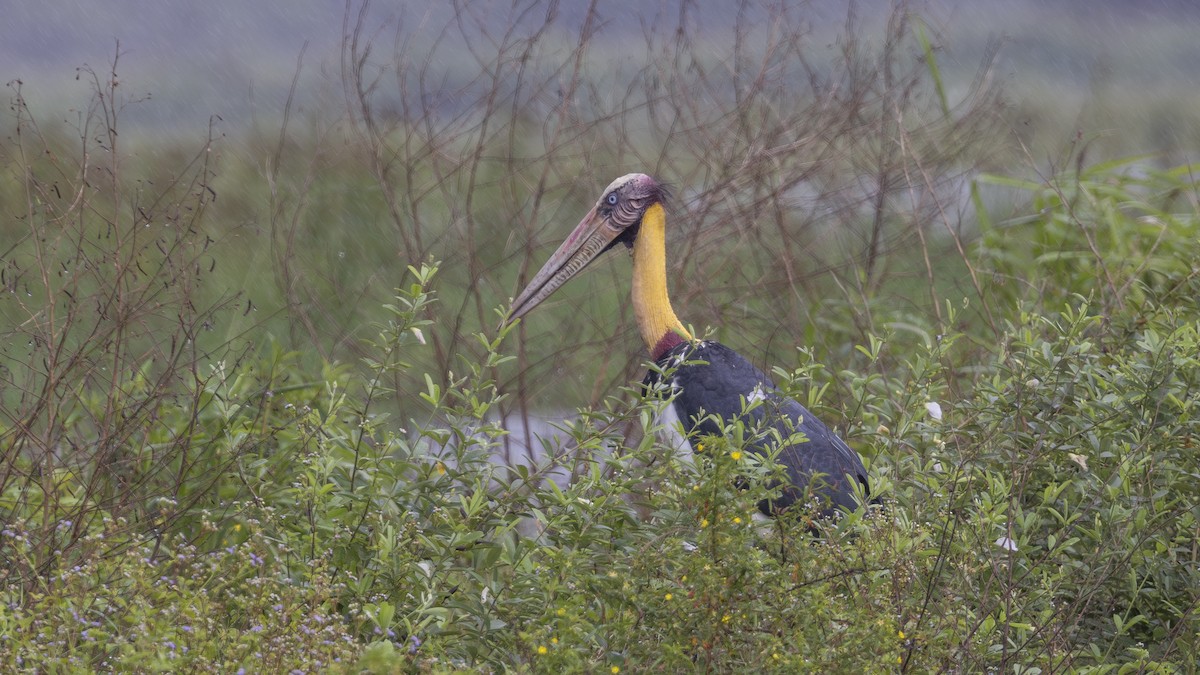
(587, 241)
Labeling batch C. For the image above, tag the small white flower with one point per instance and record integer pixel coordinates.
(689, 546)
(419, 335)
(1006, 544)
(1081, 460)
(757, 395)
(934, 409)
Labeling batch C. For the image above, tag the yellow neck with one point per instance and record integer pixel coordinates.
(651, 306)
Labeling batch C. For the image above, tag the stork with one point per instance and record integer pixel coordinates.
(711, 382)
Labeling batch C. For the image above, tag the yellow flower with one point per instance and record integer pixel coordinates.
(562, 611)
(615, 669)
(553, 640)
(704, 523)
(775, 655)
(542, 649)
(237, 527)
(737, 520)
(684, 578)
(699, 447)
(736, 455)
(668, 596)
(726, 618)
(901, 635)
(441, 468)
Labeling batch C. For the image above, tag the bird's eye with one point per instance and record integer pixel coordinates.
(612, 199)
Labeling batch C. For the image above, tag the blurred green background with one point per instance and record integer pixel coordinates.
(785, 142)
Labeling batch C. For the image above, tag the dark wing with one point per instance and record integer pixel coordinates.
(712, 379)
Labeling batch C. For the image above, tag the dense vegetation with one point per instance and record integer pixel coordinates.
(257, 412)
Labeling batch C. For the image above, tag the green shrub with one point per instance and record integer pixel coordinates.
(1115, 233)
(167, 606)
(1045, 517)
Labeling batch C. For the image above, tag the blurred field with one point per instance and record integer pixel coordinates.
(250, 334)
(311, 226)
(1118, 68)
(1061, 84)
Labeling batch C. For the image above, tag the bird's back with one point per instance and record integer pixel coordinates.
(713, 380)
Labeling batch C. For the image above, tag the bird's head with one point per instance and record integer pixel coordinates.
(614, 219)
